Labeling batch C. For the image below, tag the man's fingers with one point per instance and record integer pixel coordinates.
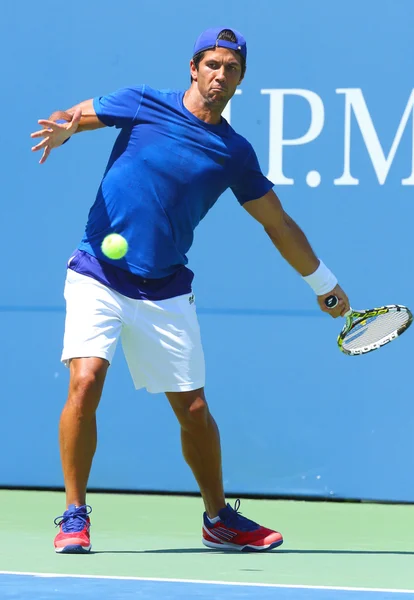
(344, 310)
(49, 124)
(77, 115)
(41, 144)
(45, 155)
(343, 306)
(54, 134)
(40, 133)
(340, 309)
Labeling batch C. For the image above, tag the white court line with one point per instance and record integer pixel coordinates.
(206, 582)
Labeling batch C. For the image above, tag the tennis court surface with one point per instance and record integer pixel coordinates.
(150, 547)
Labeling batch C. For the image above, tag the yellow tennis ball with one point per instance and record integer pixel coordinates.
(114, 246)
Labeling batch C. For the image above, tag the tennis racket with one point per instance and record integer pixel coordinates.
(368, 330)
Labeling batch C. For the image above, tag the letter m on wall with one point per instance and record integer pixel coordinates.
(354, 102)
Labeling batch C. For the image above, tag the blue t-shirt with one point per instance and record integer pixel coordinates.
(166, 170)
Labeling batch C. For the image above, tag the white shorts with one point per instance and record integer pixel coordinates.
(161, 340)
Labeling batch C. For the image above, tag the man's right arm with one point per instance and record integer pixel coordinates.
(88, 121)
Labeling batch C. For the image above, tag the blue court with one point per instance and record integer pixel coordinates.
(48, 587)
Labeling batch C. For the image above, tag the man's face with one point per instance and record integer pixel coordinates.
(218, 75)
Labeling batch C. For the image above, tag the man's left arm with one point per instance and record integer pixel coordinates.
(295, 248)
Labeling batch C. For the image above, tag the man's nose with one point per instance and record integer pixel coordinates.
(221, 74)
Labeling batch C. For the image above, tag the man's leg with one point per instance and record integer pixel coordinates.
(164, 353)
(223, 526)
(200, 441)
(94, 319)
(77, 429)
(77, 436)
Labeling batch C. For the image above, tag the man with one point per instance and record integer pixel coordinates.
(175, 155)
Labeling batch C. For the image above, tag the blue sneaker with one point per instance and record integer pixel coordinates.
(234, 532)
(73, 536)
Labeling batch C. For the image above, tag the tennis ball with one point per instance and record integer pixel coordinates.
(114, 246)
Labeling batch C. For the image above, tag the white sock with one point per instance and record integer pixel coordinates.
(215, 520)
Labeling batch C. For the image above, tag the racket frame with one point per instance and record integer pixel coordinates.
(356, 317)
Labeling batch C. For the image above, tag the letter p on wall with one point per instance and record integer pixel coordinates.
(276, 139)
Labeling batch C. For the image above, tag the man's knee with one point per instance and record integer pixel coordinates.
(198, 410)
(87, 377)
(191, 408)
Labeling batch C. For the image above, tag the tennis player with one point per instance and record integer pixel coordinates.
(173, 158)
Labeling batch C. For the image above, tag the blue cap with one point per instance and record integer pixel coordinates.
(208, 41)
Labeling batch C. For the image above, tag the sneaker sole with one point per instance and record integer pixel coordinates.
(73, 549)
(246, 548)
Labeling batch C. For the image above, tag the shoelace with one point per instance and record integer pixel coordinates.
(235, 519)
(74, 521)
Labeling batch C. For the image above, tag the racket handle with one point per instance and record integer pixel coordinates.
(332, 301)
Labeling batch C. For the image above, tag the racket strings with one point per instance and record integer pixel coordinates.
(373, 329)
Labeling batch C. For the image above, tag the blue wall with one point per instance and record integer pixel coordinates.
(294, 419)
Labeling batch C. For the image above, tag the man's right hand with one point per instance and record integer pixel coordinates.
(343, 303)
(55, 134)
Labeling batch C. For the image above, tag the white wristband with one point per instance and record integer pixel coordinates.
(322, 280)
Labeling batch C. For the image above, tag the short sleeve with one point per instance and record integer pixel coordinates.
(251, 184)
(119, 109)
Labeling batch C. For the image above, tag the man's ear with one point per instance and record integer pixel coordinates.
(193, 70)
